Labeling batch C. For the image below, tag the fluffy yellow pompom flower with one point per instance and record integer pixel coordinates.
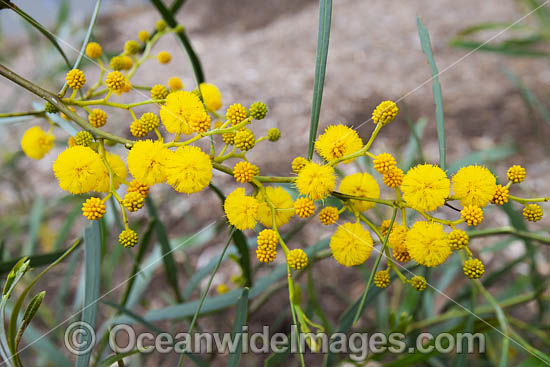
(241, 210)
(472, 215)
(180, 109)
(188, 170)
(338, 141)
(281, 200)
(175, 83)
(297, 259)
(384, 162)
(316, 181)
(78, 169)
(36, 143)
(164, 57)
(427, 244)
(532, 212)
(298, 163)
(211, 96)
(93, 208)
(351, 244)
(304, 207)
(75, 79)
(119, 173)
(93, 50)
(363, 185)
(385, 112)
(244, 171)
(329, 215)
(425, 187)
(474, 185)
(516, 174)
(147, 161)
(398, 235)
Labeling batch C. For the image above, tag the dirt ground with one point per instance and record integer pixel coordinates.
(254, 50)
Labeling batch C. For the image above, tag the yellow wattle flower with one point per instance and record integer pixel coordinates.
(36, 143)
(425, 187)
(361, 185)
(316, 181)
(427, 244)
(188, 169)
(338, 141)
(78, 169)
(241, 210)
(181, 109)
(281, 200)
(211, 96)
(474, 185)
(147, 161)
(119, 173)
(351, 244)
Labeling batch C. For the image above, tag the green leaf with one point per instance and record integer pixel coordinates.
(170, 269)
(244, 257)
(88, 35)
(436, 89)
(35, 261)
(34, 226)
(28, 315)
(111, 360)
(323, 36)
(92, 271)
(240, 321)
(501, 48)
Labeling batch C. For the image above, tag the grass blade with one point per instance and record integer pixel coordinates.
(323, 35)
(436, 88)
(92, 268)
(240, 321)
(115, 358)
(36, 261)
(34, 226)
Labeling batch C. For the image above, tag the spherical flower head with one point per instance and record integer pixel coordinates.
(297, 259)
(131, 47)
(350, 244)
(474, 185)
(147, 161)
(401, 253)
(418, 282)
(159, 91)
(175, 83)
(93, 208)
(160, 26)
(273, 134)
(385, 226)
(385, 112)
(78, 169)
(532, 212)
(200, 122)
(36, 143)
(188, 169)
(236, 113)
(338, 141)
(229, 138)
(298, 163)
(128, 238)
(266, 256)
(316, 181)
(398, 235)
(93, 50)
(516, 174)
(425, 187)
(258, 110)
(84, 138)
(136, 186)
(211, 96)
(244, 172)
(149, 121)
(244, 139)
(117, 63)
(137, 129)
(328, 215)
(127, 62)
(427, 244)
(382, 278)
(133, 201)
(115, 80)
(164, 57)
(473, 268)
(394, 177)
(75, 79)
(143, 36)
(282, 202)
(97, 117)
(241, 210)
(501, 195)
(222, 288)
(304, 207)
(472, 215)
(119, 173)
(50, 108)
(458, 239)
(361, 185)
(384, 162)
(180, 109)
(267, 239)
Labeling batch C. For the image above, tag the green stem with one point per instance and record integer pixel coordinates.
(509, 230)
(18, 114)
(529, 200)
(348, 197)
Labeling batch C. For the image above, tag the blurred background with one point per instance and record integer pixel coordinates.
(496, 103)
